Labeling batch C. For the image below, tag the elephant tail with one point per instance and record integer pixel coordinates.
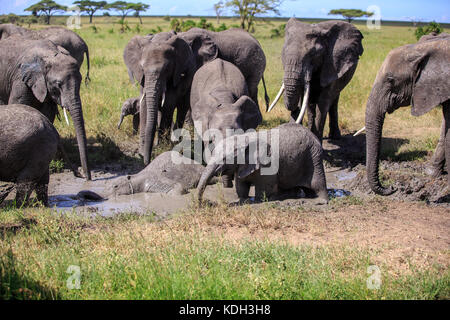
(87, 79)
(266, 96)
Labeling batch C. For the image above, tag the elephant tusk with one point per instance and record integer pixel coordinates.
(65, 116)
(359, 131)
(304, 104)
(163, 99)
(140, 101)
(277, 98)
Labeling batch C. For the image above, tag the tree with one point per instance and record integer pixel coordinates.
(218, 8)
(90, 7)
(139, 7)
(432, 28)
(249, 9)
(349, 14)
(121, 6)
(46, 7)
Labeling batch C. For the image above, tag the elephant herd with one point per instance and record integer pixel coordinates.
(211, 79)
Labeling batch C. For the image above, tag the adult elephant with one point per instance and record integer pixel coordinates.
(164, 65)
(42, 75)
(417, 75)
(319, 60)
(63, 37)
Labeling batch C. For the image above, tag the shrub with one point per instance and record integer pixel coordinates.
(157, 30)
(432, 27)
(175, 25)
(278, 32)
(222, 27)
(166, 18)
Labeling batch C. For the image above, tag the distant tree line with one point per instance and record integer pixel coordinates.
(47, 8)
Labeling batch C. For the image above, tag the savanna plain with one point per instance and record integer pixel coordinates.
(272, 250)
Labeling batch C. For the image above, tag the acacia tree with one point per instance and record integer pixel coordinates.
(218, 8)
(350, 14)
(121, 6)
(248, 10)
(47, 8)
(139, 7)
(90, 7)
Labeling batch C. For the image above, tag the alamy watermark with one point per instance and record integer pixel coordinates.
(374, 280)
(374, 21)
(74, 21)
(74, 280)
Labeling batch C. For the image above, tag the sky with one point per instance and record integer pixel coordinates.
(412, 10)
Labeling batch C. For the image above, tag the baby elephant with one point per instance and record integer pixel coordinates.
(168, 173)
(130, 107)
(274, 161)
(28, 142)
(219, 99)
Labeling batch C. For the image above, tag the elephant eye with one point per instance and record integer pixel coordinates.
(183, 75)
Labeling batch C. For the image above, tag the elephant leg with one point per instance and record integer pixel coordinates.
(322, 108)
(227, 180)
(182, 111)
(437, 162)
(4, 193)
(188, 119)
(23, 192)
(446, 111)
(136, 120)
(335, 133)
(166, 122)
(42, 189)
(242, 188)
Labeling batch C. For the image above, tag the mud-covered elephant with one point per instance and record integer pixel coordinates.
(164, 65)
(63, 37)
(130, 108)
(417, 75)
(319, 60)
(28, 142)
(274, 161)
(42, 75)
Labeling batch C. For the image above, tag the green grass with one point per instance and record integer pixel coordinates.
(132, 257)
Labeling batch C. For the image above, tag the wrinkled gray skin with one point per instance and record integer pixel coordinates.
(417, 75)
(436, 166)
(63, 37)
(165, 174)
(325, 55)
(165, 63)
(28, 142)
(220, 101)
(42, 75)
(130, 107)
(300, 163)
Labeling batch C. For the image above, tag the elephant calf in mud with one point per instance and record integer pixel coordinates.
(130, 107)
(28, 142)
(274, 161)
(169, 173)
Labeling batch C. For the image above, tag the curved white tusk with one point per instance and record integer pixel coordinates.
(304, 104)
(65, 116)
(277, 98)
(359, 131)
(140, 101)
(163, 99)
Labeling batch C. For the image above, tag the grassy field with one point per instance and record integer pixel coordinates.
(221, 252)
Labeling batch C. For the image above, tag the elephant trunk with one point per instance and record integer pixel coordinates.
(77, 117)
(292, 92)
(153, 94)
(207, 174)
(122, 116)
(374, 127)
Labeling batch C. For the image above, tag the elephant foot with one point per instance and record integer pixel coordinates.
(227, 181)
(335, 135)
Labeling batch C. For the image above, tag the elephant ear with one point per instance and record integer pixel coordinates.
(254, 159)
(431, 86)
(343, 42)
(184, 60)
(205, 50)
(33, 76)
(250, 117)
(132, 55)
